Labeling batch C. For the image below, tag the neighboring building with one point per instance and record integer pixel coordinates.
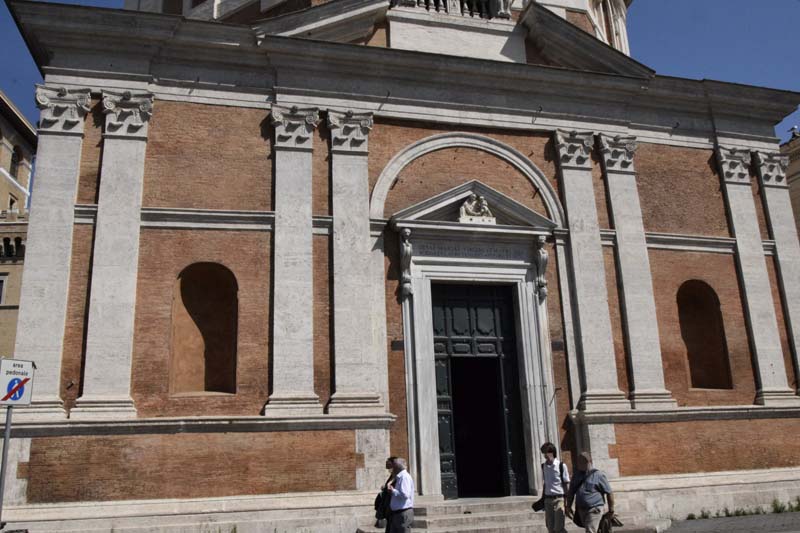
(791, 149)
(271, 247)
(17, 146)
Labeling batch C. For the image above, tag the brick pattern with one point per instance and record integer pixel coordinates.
(680, 191)
(772, 270)
(438, 171)
(323, 324)
(672, 268)
(91, 154)
(706, 446)
(77, 304)
(581, 20)
(321, 171)
(398, 434)
(163, 255)
(122, 467)
(208, 157)
(617, 320)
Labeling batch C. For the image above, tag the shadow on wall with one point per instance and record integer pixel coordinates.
(205, 312)
(703, 332)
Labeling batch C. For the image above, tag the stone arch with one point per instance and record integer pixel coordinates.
(467, 140)
(205, 309)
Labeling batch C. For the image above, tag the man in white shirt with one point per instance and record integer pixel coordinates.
(401, 505)
(556, 485)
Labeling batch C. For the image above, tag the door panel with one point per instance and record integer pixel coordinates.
(477, 322)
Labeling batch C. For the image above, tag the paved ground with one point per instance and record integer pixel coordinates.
(771, 523)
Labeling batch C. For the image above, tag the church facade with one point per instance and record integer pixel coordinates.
(272, 243)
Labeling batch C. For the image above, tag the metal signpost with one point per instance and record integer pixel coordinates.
(16, 384)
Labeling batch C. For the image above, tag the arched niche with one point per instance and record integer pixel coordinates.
(205, 312)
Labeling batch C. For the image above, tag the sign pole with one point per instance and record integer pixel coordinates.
(6, 440)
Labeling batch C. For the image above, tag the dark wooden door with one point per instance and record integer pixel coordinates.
(481, 438)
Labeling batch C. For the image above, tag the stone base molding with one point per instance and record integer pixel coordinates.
(675, 496)
(89, 408)
(321, 512)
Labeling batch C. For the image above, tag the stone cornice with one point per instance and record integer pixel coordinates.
(771, 169)
(574, 149)
(127, 114)
(294, 126)
(163, 44)
(62, 110)
(734, 164)
(349, 131)
(617, 153)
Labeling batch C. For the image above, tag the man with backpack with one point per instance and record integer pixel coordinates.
(556, 483)
(589, 489)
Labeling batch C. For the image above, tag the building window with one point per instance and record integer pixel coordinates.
(12, 202)
(16, 161)
(3, 286)
(205, 313)
(703, 333)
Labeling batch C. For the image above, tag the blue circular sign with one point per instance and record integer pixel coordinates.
(17, 393)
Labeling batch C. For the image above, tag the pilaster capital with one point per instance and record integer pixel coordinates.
(62, 110)
(574, 148)
(617, 152)
(294, 126)
(771, 167)
(349, 131)
(734, 164)
(127, 114)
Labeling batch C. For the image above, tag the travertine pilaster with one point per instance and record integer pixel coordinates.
(638, 302)
(115, 260)
(45, 284)
(355, 367)
(778, 206)
(293, 296)
(595, 341)
(772, 383)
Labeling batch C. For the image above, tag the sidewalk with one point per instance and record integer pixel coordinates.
(772, 523)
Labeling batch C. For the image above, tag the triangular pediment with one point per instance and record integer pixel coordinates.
(446, 207)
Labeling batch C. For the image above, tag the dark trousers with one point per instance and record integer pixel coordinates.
(400, 521)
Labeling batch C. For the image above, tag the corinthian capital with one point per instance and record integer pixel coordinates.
(127, 113)
(734, 164)
(294, 127)
(772, 169)
(575, 148)
(62, 110)
(349, 131)
(618, 152)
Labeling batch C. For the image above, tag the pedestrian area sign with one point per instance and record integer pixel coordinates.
(16, 382)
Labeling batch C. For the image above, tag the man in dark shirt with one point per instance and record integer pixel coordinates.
(587, 489)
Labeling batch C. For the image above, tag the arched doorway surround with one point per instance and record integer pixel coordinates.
(440, 249)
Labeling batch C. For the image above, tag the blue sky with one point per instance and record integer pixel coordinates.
(753, 42)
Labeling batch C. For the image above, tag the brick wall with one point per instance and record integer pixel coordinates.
(617, 322)
(323, 324)
(398, 433)
(321, 171)
(680, 191)
(581, 20)
(438, 171)
(208, 157)
(163, 255)
(706, 446)
(77, 316)
(672, 268)
(97, 468)
(91, 155)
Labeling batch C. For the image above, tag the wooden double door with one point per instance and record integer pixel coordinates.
(481, 440)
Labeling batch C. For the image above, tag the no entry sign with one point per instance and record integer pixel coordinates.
(16, 382)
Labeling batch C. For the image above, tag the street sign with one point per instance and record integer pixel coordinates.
(16, 382)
